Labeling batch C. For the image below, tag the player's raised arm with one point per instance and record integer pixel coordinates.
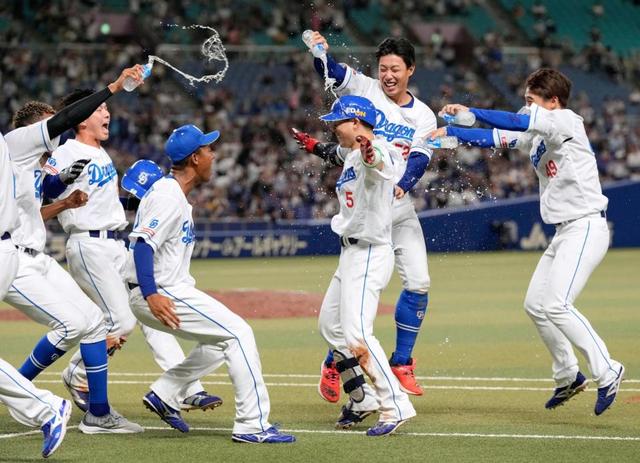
(79, 111)
(334, 70)
(328, 152)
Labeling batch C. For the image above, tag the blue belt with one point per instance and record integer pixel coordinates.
(111, 234)
(5, 236)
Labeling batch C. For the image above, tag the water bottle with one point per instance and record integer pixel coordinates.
(464, 118)
(318, 50)
(130, 84)
(448, 142)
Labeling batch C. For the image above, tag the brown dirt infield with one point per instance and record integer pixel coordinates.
(252, 304)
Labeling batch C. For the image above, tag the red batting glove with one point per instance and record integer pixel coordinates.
(366, 149)
(304, 140)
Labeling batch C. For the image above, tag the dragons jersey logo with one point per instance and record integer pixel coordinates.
(347, 176)
(390, 130)
(189, 235)
(101, 175)
(535, 158)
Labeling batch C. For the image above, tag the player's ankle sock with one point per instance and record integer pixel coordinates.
(410, 311)
(329, 360)
(43, 355)
(95, 362)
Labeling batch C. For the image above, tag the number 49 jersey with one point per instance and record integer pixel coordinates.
(366, 197)
(564, 163)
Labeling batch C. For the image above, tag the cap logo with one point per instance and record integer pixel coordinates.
(355, 111)
(142, 178)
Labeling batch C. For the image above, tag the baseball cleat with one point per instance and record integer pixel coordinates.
(407, 377)
(200, 401)
(111, 423)
(80, 397)
(348, 417)
(329, 385)
(167, 414)
(382, 428)
(55, 429)
(270, 436)
(607, 394)
(561, 395)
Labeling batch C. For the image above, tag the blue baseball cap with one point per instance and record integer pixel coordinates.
(185, 140)
(140, 176)
(352, 107)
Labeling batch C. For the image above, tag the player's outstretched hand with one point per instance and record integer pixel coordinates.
(134, 72)
(69, 174)
(77, 198)
(318, 38)
(370, 156)
(452, 109)
(399, 192)
(304, 140)
(164, 310)
(441, 132)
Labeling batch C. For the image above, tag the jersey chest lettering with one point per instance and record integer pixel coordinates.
(38, 177)
(347, 176)
(535, 157)
(188, 233)
(391, 130)
(101, 175)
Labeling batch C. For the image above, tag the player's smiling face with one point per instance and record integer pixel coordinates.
(530, 98)
(394, 75)
(97, 126)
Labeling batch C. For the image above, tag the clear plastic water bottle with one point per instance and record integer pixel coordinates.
(464, 118)
(448, 142)
(130, 84)
(318, 50)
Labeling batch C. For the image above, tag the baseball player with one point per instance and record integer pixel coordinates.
(404, 121)
(34, 407)
(571, 199)
(95, 237)
(164, 297)
(365, 191)
(42, 290)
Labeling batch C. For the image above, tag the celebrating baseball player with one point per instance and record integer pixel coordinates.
(95, 236)
(365, 191)
(571, 199)
(163, 296)
(403, 120)
(42, 290)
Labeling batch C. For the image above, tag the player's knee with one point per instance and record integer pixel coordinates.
(82, 328)
(420, 285)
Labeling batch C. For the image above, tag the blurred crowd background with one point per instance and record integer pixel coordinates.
(476, 52)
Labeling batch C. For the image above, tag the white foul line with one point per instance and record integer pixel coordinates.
(413, 434)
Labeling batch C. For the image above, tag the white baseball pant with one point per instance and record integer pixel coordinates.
(409, 248)
(9, 259)
(27, 404)
(222, 337)
(97, 265)
(44, 292)
(346, 322)
(562, 272)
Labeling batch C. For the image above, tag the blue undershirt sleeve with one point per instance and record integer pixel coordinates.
(416, 165)
(52, 186)
(143, 258)
(335, 71)
(476, 137)
(502, 119)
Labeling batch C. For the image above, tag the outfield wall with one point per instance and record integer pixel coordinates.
(489, 226)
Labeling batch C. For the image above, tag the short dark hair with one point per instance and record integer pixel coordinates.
(31, 112)
(548, 83)
(397, 46)
(76, 95)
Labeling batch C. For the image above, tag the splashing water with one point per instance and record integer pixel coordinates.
(212, 49)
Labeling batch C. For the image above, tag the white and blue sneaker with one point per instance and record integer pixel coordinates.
(561, 395)
(607, 394)
(201, 401)
(384, 428)
(55, 429)
(167, 414)
(80, 397)
(270, 436)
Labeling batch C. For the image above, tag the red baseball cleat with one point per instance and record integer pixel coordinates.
(329, 385)
(407, 378)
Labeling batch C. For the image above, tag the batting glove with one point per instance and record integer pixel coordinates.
(304, 140)
(370, 156)
(71, 173)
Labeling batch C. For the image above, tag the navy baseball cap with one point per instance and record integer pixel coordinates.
(352, 107)
(185, 140)
(140, 176)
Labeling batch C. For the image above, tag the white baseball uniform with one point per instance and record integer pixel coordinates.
(570, 198)
(8, 219)
(405, 127)
(87, 255)
(164, 220)
(42, 290)
(27, 404)
(351, 301)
